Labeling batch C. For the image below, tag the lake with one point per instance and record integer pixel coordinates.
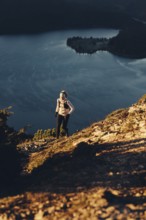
(34, 68)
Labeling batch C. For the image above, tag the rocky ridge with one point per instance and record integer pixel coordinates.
(97, 173)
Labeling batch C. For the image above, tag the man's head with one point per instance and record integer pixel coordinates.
(63, 94)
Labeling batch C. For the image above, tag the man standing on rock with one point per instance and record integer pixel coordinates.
(63, 110)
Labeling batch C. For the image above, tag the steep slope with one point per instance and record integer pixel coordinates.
(97, 173)
(121, 125)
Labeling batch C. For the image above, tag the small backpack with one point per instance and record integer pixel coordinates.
(66, 106)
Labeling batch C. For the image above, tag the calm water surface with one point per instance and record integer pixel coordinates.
(34, 68)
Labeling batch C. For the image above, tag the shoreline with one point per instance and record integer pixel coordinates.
(130, 42)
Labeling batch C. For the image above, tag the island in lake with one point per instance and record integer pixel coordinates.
(130, 42)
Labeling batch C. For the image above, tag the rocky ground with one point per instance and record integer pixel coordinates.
(97, 173)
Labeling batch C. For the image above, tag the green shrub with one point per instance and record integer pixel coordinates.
(48, 133)
(40, 134)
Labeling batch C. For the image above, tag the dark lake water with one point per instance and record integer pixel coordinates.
(34, 68)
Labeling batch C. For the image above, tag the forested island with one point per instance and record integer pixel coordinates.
(130, 42)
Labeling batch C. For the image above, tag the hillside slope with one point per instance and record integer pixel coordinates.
(97, 173)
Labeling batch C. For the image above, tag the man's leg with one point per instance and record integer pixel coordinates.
(65, 123)
(59, 121)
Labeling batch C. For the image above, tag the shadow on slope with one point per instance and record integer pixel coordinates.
(10, 166)
(116, 165)
(120, 166)
(116, 199)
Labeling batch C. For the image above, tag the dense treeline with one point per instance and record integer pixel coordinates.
(87, 45)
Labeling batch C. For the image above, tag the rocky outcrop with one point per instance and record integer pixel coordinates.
(121, 125)
(97, 173)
